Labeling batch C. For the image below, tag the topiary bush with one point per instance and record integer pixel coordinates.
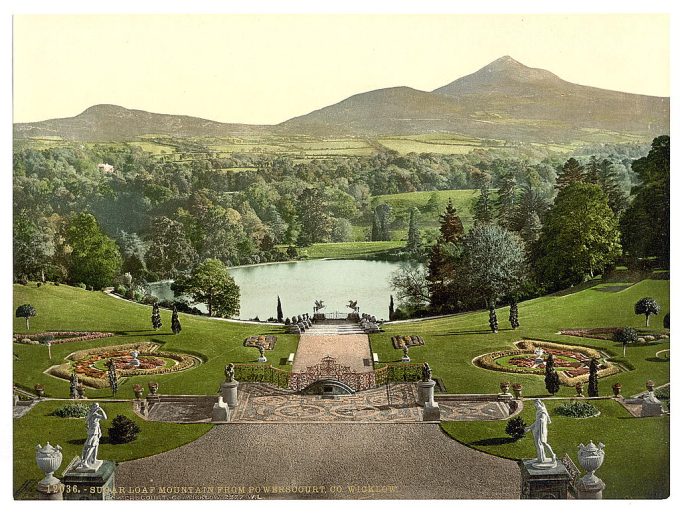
(75, 410)
(515, 428)
(626, 335)
(577, 409)
(123, 430)
(647, 306)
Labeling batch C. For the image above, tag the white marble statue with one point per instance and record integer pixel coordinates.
(540, 431)
(89, 459)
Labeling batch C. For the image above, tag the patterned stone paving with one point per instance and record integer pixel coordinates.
(349, 350)
(260, 403)
(473, 410)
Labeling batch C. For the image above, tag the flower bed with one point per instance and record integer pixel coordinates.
(399, 341)
(88, 364)
(571, 361)
(60, 337)
(607, 333)
(267, 341)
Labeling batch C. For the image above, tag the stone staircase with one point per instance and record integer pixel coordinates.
(335, 329)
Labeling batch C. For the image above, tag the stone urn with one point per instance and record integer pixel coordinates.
(591, 457)
(48, 459)
(579, 389)
(80, 390)
(39, 390)
(139, 391)
(616, 388)
(650, 386)
(153, 388)
(505, 387)
(517, 390)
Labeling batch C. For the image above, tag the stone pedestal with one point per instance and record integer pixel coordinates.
(549, 483)
(52, 492)
(505, 397)
(262, 359)
(590, 489)
(405, 359)
(89, 485)
(220, 411)
(229, 391)
(425, 392)
(431, 411)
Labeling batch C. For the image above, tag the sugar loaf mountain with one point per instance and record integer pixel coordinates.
(503, 100)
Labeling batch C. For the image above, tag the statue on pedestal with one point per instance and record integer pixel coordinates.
(427, 372)
(88, 460)
(229, 372)
(540, 431)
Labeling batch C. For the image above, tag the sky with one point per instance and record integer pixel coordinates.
(266, 68)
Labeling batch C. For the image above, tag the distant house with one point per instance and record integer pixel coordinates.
(106, 168)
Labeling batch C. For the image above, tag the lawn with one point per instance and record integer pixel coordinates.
(624, 436)
(349, 249)
(40, 427)
(452, 342)
(62, 308)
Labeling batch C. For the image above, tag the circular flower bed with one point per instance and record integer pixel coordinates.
(91, 365)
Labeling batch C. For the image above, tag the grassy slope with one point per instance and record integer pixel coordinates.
(645, 439)
(39, 427)
(349, 249)
(452, 342)
(67, 308)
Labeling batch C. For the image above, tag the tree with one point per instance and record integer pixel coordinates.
(647, 306)
(507, 199)
(382, 218)
(493, 318)
(514, 314)
(113, 378)
(493, 263)
(450, 225)
(315, 223)
(410, 284)
(483, 208)
(210, 283)
(170, 251)
(26, 311)
(592, 378)
(94, 258)
(580, 237)
(33, 247)
(175, 325)
(391, 308)
(626, 336)
(156, 317)
(279, 310)
(552, 379)
(645, 225)
(571, 172)
(516, 428)
(667, 321)
(123, 430)
(413, 242)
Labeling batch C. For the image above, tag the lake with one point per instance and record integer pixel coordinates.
(300, 283)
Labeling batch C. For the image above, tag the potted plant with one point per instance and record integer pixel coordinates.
(517, 390)
(616, 388)
(650, 386)
(138, 390)
(80, 390)
(153, 388)
(39, 390)
(579, 389)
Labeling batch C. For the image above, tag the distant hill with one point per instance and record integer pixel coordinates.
(114, 123)
(503, 100)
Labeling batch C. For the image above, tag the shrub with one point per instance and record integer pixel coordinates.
(76, 410)
(626, 335)
(81, 285)
(515, 428)
(120, 290)
(123, 430)
(667, 321)
(577, 409)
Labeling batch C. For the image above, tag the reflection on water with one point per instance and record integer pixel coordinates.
(300, 283)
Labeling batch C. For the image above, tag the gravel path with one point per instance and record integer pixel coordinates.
(321, 461)
(351, 350)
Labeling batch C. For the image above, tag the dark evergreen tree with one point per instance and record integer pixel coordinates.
(493, 319)
(571, 172)
(483, 207)
(450, 225)
(391, 311)
(552, 380)
(514, 314)
(382, 218)
(592, 378)
(123, 430)
(279, 310)
(413, 242)
(174, 323)
(507, 199)
(156, 317)
(592, 171)
(113, 378)
(667, 321)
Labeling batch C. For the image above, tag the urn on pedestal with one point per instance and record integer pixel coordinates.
(49, 460)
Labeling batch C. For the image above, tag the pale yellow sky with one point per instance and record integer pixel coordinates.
(268, 68)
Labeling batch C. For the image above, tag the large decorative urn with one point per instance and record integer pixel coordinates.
(591, 457)
(48, 459)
